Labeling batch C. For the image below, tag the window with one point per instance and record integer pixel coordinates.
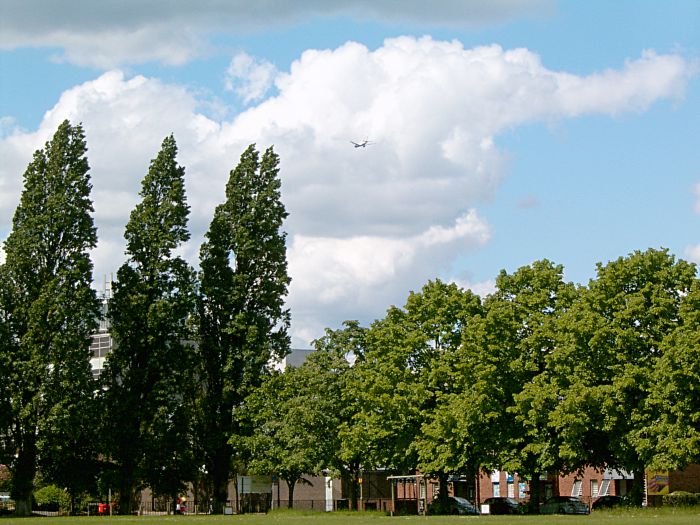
(496, 489)
(577, 488)
(594, 488)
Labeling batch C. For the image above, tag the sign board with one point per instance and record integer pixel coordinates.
(657, 483)
(485, 509)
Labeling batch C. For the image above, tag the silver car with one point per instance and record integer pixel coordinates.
(564, 505)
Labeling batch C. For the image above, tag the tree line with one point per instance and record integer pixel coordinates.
(540, 376)
(189, 346)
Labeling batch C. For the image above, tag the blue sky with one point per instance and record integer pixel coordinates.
(504, 132)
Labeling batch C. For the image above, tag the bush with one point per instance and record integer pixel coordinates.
(5, 479)
(52, 499)
(681, 499)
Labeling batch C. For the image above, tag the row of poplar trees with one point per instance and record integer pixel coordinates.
(189, 346)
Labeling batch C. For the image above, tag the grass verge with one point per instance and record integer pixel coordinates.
(652, 516)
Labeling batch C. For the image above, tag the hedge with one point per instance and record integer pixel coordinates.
(681, 499)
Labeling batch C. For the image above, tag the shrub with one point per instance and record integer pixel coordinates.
(681, 499)
(5, 479)
(52, 498)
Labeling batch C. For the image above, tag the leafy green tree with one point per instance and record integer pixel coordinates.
(504, 352)
(293, 415)
(406, 371)
(243, 322)
(670, 438)
(70, 452)
(48, 309)
(335, 350)
(147, 430)
(603, 370)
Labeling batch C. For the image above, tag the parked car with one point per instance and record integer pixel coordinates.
(609, 501)
(564, 505)
(454, 505)
(503, 506)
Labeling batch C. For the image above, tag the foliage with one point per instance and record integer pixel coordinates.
(405, 372)
(672, 438)
(48, 311)
(294, 416)
(609, 347)
(147, 429)
(5, 479)
(243, 321)
(291, 420)
(681, 499)
(334, 352)
(52, 498)
(540, 376)
(504, 353)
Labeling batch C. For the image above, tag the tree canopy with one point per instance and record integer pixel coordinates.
(147, 373)
(243, 321)
(48, 313)
(539, 376)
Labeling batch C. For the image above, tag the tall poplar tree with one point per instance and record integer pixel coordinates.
(48, 309)
(243, 321)
(147, 373)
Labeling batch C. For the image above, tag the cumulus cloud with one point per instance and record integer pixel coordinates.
(365, 224)
(249, 78)
(174, 31)
(331, 269)
(692, 253)
(480, 288)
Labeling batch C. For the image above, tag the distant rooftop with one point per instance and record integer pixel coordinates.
(296, 357)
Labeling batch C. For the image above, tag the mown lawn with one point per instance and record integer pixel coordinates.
(665, 516)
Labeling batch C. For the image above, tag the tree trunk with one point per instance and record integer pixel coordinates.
(126, 491)
(534, 503)
(23, 477)
(443, 493)
(290, 501)
(353, 488)
(220, 475)
(637, 490)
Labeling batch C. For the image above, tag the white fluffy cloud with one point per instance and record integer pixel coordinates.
(692, 253)
(250, 78)
(366, 224)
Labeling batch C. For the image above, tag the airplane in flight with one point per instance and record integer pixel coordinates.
(362, 144)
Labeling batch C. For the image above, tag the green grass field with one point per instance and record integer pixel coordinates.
(663, 516)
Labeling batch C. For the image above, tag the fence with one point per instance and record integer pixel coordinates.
(6, 506)
(321, 505)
